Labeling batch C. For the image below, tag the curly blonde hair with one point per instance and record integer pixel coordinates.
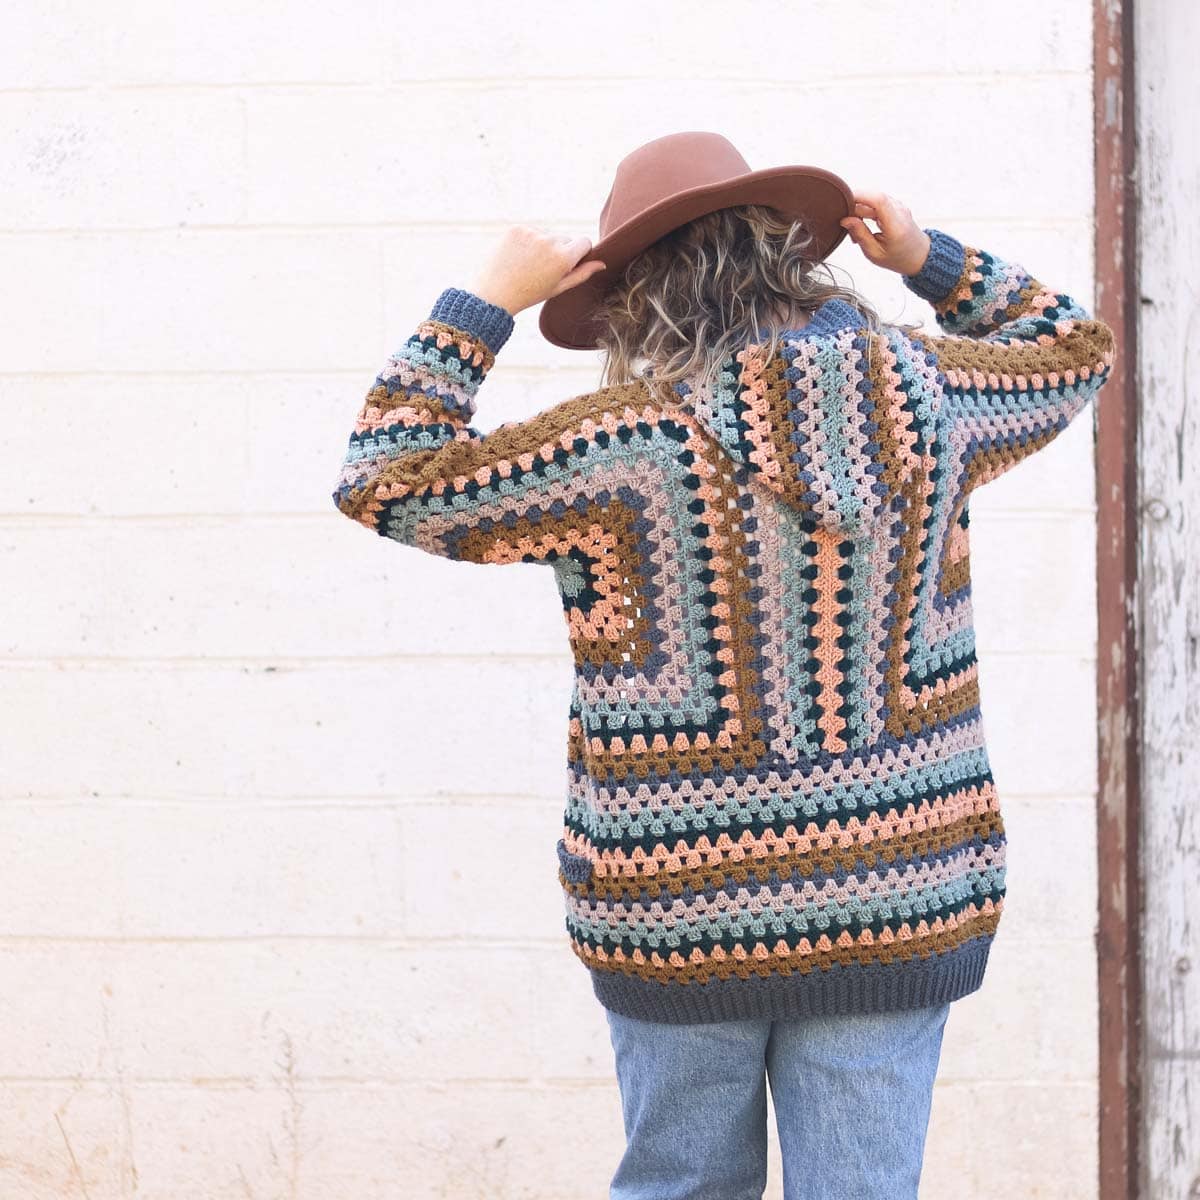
(696, 296)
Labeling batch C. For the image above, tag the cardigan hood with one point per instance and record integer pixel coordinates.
(799, 425)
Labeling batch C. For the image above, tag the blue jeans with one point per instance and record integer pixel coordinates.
(852, 1096)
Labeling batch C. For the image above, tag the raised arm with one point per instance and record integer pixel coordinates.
(415, 469)
(1019, 360)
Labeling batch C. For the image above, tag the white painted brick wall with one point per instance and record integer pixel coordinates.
(243, 736)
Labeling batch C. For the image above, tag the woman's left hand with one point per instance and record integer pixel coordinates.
(531, 265)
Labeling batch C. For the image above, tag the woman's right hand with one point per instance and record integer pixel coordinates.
(901, 245)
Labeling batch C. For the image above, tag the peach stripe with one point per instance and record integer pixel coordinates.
(827, 630)
(929, 815)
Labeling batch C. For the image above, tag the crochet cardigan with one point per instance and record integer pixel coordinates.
(778, 794)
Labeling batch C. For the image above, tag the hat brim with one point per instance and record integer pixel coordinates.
(812, 194)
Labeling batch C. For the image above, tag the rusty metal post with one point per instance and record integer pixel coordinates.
(1117, 490)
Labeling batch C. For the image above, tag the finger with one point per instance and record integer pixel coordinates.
(869, 214)
(858, 228)
(579, 275)
(854, 229)
(574, 248)
(872, 197)
(885, 210)
(587, 270)
(893, 216)
(863, 238)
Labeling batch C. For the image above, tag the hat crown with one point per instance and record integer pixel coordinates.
(670, 181)
(667, 165)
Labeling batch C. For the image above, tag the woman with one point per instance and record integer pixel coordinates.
(782, 855)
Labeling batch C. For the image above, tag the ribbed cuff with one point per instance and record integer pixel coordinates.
(942, 270)
(476, 316)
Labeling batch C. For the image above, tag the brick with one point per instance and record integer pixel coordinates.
(483, 871)
(70, 161)
(1051, 857)
(1034, 1018)
(359, 135)
(221, 43)
(1033, 751)
(67, 1138)
(1028, 571)
(276, 730)
(1033, 1140)
(218, 869)
(150, 589)
(252, 302)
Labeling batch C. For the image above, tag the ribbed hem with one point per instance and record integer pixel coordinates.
(474, 315)
(942, 269)
(841, 990)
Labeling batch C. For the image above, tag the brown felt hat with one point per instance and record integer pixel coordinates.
(670, 181)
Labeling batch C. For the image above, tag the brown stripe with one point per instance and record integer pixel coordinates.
(782, 423)
(692, 971)
(955, 575)
(901, 720)
(508, 442)
(1087, 344)
(479, 354)
(798, 863)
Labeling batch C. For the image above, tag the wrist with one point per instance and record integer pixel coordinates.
(475, 314)
(941, 270)
(919, 259)
(497, 295)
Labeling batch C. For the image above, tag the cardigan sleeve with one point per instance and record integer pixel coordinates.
(416, 471)
(1017, 361)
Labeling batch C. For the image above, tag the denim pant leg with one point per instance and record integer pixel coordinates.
(694, 1101)
(852, 1098)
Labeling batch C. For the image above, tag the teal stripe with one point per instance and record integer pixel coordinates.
(893, 909)
(855, 660)
(776, 812)
(836, 413)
